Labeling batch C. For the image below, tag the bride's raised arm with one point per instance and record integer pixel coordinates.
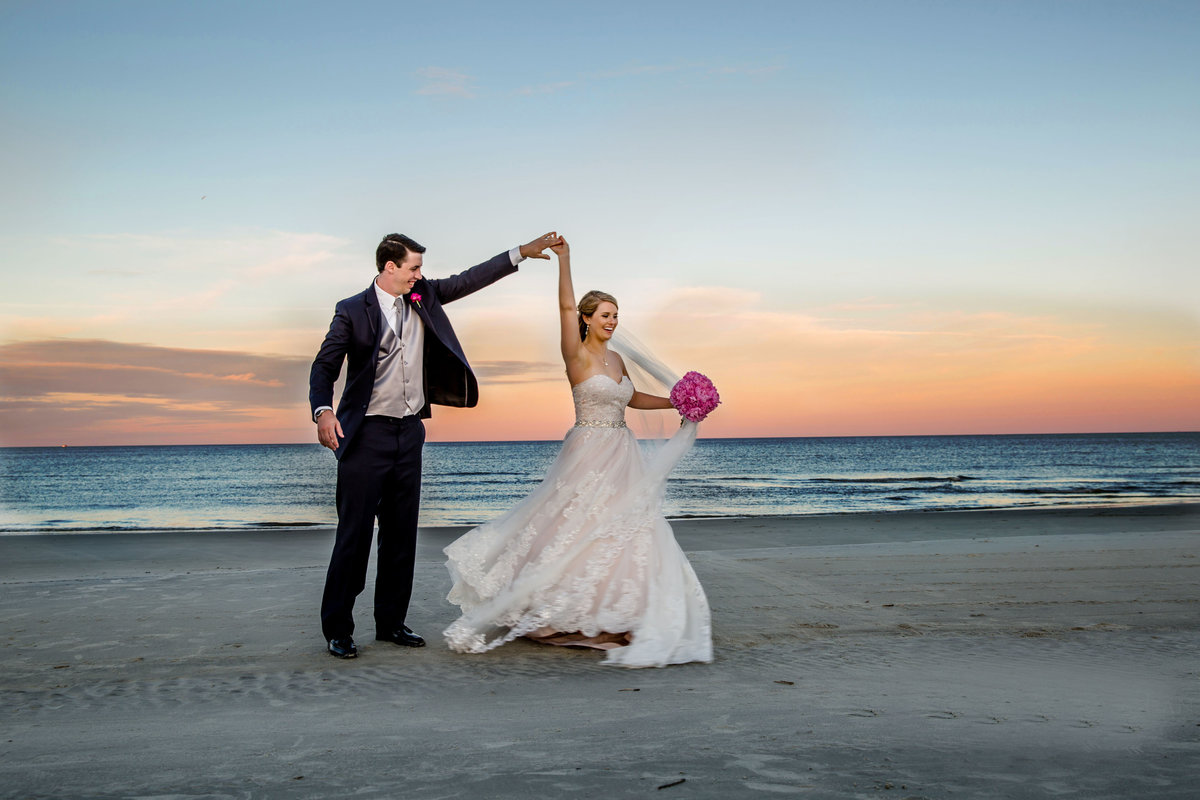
(568, 313)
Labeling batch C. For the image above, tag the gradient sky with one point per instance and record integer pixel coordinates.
(856, 217)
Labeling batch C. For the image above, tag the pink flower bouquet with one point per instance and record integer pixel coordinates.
(694, 396)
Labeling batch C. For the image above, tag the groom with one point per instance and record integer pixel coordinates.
(402, 356)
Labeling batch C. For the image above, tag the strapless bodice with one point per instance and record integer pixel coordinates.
(600, 401)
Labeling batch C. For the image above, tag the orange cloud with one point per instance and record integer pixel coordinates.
(96, 392)
(99, 392)
(861, 368)
(913, 369)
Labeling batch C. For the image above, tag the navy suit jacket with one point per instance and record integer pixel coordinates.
(354, 337)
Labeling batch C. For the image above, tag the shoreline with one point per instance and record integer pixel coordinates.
(1165, 505)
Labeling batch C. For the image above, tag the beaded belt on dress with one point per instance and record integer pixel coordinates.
(589, 424)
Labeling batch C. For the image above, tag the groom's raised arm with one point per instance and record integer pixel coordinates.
(473, 278)
(481, 275)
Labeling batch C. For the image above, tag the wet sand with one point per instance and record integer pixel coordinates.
(1006, 654)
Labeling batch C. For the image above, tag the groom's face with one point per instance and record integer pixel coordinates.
(399, 278)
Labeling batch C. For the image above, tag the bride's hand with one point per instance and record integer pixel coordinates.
(562, 249)
(534, 249)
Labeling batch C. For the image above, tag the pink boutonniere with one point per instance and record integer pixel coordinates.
(416, 299)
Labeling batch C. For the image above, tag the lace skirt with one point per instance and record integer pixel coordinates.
(587, 551)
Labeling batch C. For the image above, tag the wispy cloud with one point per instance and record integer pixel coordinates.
(442, 81)
(115, 273)
(648, 70)
(546, 88)
(638, 69)
(261, 254)
(181, 288)
(753, 71)
(518, 371)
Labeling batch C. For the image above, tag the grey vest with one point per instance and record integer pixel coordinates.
(399, 367)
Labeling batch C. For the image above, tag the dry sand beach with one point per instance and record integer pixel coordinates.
(1007, 654)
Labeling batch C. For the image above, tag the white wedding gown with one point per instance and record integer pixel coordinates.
(588, 551)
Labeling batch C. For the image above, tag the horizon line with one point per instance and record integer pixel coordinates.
(544, 441)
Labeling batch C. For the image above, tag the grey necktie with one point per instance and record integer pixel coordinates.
(399, 304)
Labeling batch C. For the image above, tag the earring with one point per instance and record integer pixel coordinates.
(586, 330)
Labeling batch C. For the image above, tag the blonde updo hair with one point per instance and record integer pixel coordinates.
(588, 305)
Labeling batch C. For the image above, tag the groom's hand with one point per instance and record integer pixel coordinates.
(534, 249)
(329, 430)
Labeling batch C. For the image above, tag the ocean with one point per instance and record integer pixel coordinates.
(258, 486)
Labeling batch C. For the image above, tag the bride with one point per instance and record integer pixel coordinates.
(587, 559)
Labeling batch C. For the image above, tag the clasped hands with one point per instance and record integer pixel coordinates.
(534, 249)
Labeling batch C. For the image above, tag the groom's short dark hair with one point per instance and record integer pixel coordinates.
(394, 247)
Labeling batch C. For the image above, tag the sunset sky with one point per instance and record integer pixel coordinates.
(858, 218)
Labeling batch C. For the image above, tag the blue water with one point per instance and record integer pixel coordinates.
(253, 486)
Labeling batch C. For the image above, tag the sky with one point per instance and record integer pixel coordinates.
(858, 218)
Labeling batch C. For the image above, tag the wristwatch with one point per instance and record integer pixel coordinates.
(320, 411)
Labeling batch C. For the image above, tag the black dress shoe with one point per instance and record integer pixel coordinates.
(403, 635)
(343, 648)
